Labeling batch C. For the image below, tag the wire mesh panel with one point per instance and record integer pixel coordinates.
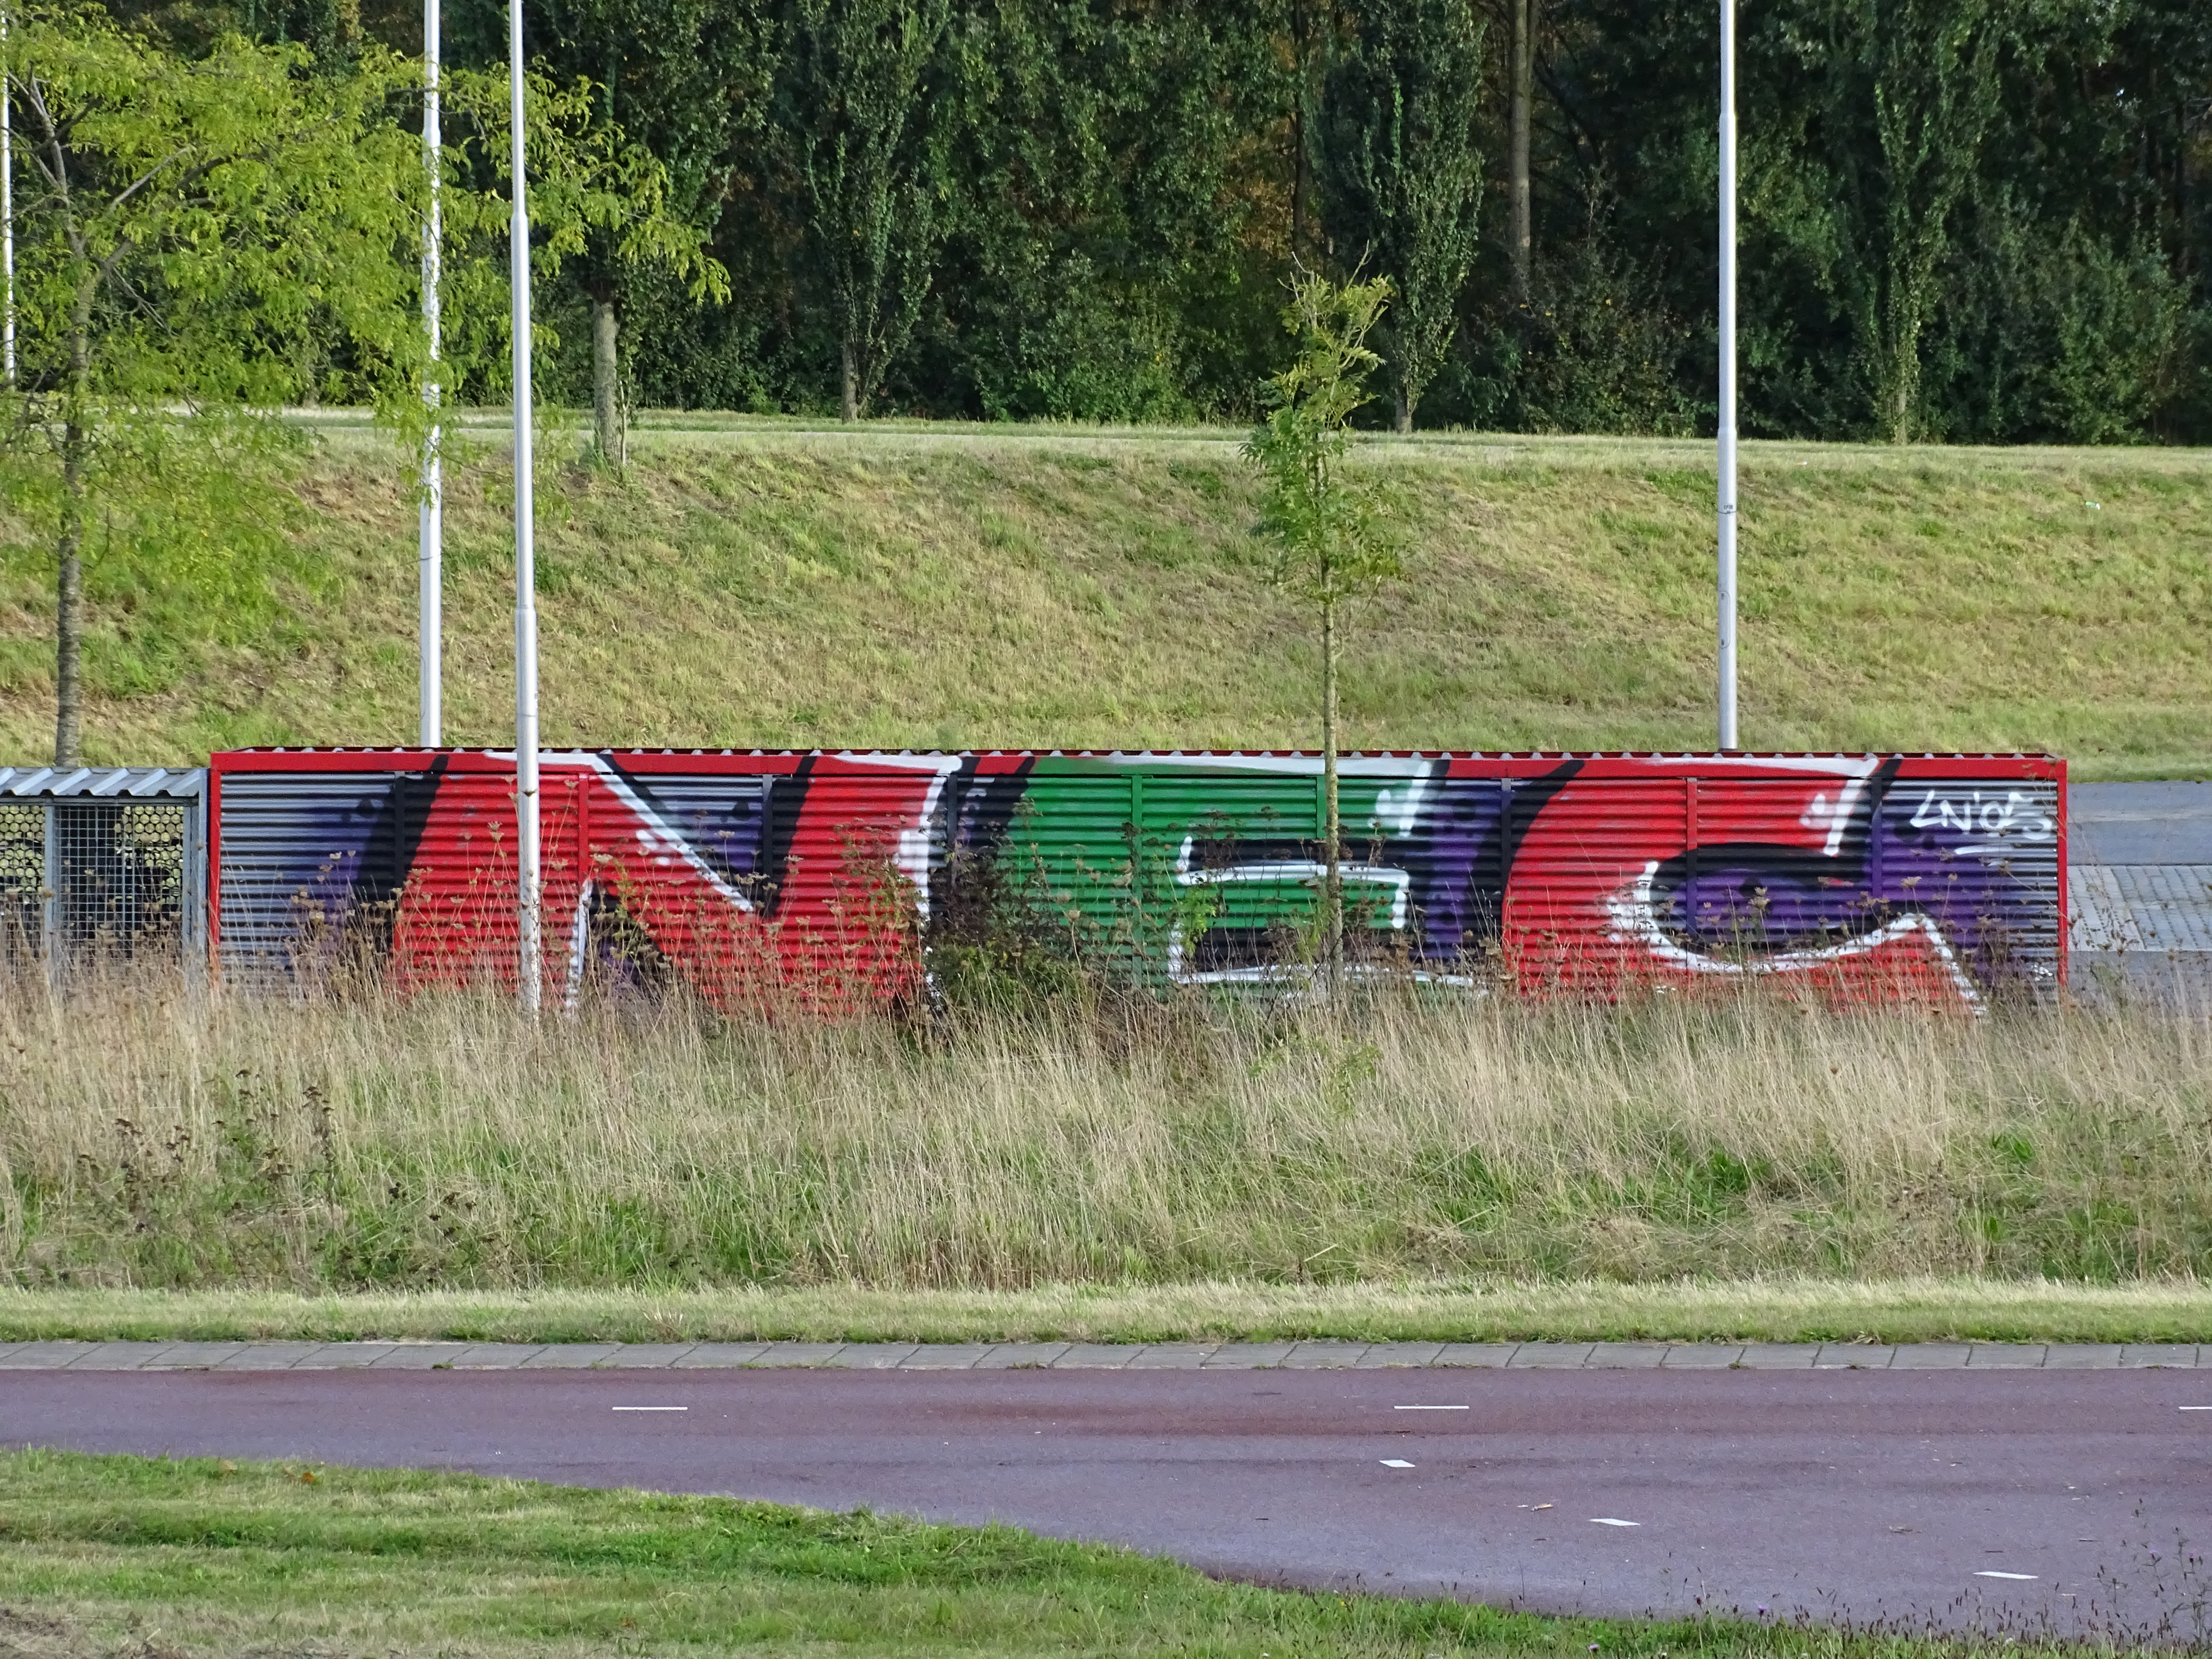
(119, 877)
(101, 865)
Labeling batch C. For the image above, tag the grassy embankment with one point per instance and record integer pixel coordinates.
(1153, 1174)
(756, 584)
(127, 1556)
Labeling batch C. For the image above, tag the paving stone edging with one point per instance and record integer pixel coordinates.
(1092, 1355)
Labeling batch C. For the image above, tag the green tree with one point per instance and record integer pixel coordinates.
(1105, 249)
(1323, 516)
(1401, 177)
(202, 240)
(852, 103)
(1115, 182)
(680, 80)
(197, 233)
(1521, 101)
(1911, 90)
(850, 100)
(595, 197)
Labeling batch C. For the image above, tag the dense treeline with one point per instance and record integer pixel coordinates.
(1965, 220)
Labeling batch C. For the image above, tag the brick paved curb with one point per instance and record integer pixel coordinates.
(1092, 1355)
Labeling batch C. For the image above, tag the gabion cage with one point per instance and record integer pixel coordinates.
(102, 864)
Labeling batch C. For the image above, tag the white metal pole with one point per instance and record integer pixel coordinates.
(1728, 377)
(525, 602)
(430, 531)
(7, 218)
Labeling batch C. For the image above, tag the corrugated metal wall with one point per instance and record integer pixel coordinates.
(822, 875)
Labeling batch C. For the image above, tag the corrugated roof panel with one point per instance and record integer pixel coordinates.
(141, 781)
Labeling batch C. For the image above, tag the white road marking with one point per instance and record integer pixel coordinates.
(651, 1408)
(1611, 1520)
(2185, 1408)
(1462, 1409)
(1396, 1463)
(1991, 1572)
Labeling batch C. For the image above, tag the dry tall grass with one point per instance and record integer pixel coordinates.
(165, 1140)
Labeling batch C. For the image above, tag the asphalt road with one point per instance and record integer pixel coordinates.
(2137, 823)
(2140, 889)
(1872, 1496)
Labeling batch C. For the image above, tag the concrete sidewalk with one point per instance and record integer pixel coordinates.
(1088, 1356)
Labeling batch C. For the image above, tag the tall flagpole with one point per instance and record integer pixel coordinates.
(525, 558)
(430, 531)
(1728, 377)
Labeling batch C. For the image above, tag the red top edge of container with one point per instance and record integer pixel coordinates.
(1208, 754)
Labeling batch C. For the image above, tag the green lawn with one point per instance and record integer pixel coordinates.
(764, 583)
(159, 1558)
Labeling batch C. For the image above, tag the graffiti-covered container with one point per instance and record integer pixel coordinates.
(827, 876)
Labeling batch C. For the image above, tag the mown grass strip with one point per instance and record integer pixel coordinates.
(200, 1556)
(1773, 1310)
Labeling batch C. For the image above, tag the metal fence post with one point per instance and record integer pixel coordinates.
(50, 889)
(192, 924)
